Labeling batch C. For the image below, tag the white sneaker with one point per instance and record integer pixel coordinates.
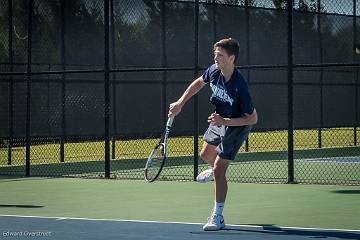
(215, 223)
(205, 176)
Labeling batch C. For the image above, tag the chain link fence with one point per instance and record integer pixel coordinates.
(56, 86)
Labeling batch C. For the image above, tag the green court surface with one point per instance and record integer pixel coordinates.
(295, 205)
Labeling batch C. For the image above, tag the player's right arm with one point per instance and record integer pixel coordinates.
(191, 90)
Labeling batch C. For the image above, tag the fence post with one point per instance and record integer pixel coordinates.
(290, 95)
(247, 51)
(318, 19)
(196, 100)
(214, 20)
(113, 77)
(28, 88)
(163, 62)
(11, 83)
(106, 88)
(356, 74)
(63, 84)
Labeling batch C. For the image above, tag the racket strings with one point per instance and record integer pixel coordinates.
(155, 162)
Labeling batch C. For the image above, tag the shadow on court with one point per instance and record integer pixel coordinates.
(352, 191)
(20, 206)
(292, 233)
(13, 227)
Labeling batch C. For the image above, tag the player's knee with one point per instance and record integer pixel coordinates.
(208, 157)
(219, 171)
(203, 155)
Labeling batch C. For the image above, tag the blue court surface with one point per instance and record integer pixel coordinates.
(31, 227)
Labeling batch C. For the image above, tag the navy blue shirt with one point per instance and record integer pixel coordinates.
(232, 98)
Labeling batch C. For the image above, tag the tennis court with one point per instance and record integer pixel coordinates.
(70, 208)
(82, 228)
(85, 89)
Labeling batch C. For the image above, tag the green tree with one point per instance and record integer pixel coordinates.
(84, 29)
(280, 4)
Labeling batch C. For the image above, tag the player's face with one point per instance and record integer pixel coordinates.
(222, 59)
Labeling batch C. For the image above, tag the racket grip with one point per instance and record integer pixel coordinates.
(170, 121)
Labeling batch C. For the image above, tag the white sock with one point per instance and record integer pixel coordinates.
(218, 208)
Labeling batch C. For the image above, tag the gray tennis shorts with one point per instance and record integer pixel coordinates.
(227, 139)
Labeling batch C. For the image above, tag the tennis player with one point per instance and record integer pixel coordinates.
(229, 125)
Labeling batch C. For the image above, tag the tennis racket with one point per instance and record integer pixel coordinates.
(157, 157)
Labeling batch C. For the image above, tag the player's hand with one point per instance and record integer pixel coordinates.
(216, 119)
(174, 109)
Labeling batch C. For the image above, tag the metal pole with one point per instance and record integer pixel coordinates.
(321, 75)
(48, 103)
(163, 61)
(11, 83)
(113, 76)
(196, 100)
(356, 74)
(106, 89)
(214, 20)
(247, 27)
(63, 83)
(290, 95)
(28, 89)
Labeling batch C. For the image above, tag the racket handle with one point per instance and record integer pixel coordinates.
(170, 121)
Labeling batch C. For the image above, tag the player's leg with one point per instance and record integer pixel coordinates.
(208, 154)
(220, 167)
(226, 150)
(212, 139)
(216, 221)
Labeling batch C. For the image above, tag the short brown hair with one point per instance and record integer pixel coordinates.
(230, 45)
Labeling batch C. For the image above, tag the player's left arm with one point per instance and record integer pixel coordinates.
(248, 119)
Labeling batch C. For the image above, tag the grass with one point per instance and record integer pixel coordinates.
(266, 159)
(271, 141)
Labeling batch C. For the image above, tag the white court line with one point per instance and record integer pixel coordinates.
(342, 160)
(256, 227)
